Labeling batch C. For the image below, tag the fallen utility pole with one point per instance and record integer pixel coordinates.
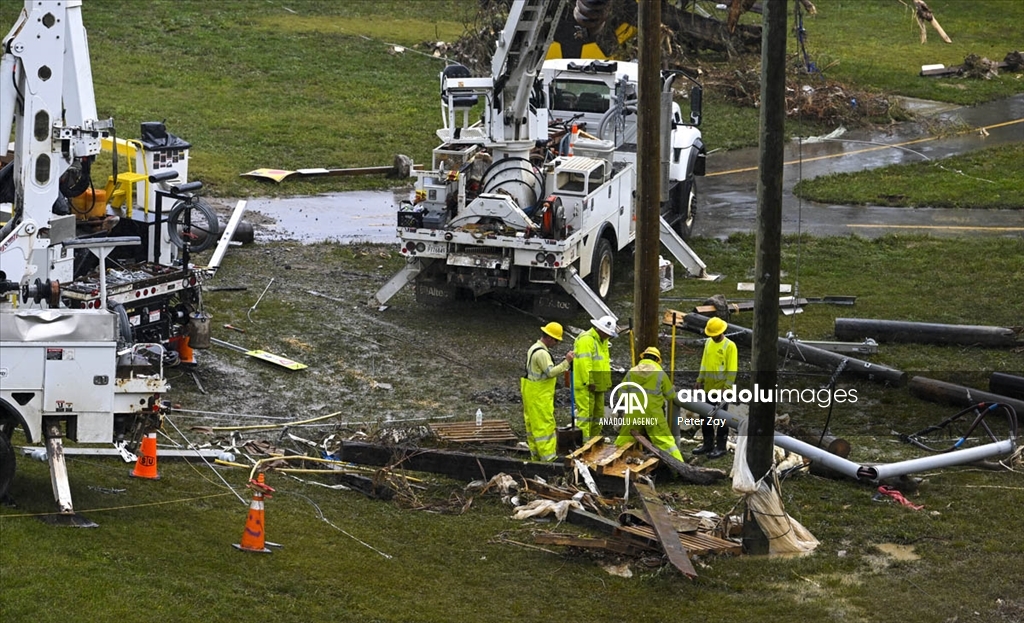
(1007, 385)
(923, 332)
(794, 349)
(941, 392)
(868, 472)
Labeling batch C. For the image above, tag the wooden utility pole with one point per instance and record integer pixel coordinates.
(646, 287)
(764, 356)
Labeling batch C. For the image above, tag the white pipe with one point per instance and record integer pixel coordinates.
(873, 473)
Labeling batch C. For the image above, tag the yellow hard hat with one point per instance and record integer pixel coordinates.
(553, 329)
(653, 351)
(715, 327)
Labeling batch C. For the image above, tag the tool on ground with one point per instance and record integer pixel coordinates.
(248, 314)
(284, 362)
(234, 328)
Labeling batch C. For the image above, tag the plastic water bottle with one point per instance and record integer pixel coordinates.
(479, 417)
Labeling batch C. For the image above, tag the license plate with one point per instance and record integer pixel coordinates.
(435, 248)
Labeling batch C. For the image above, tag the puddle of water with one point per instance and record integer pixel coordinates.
(346, 218)
(898, 552)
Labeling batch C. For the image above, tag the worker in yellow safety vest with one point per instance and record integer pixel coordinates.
(538, 387)
(657, 386)
(592, 374)
(718, 368)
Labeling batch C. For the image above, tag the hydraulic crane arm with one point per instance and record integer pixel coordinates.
(520, 52)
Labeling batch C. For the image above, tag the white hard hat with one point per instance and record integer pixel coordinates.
(606, 325)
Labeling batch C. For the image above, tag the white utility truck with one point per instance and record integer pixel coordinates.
(534, 183)
(97, 294)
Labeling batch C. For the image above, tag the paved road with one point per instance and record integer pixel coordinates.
(728, 194)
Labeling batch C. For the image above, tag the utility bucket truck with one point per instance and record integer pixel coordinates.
(533, 186)
(97, 293)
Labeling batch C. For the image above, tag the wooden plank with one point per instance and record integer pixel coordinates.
(667, 535)
(619, 546)
(489, 431)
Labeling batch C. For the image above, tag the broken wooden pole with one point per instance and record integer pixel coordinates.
(665, 530)
(923, 332)
(462, 465)
(689, 473)
(942, 392)
(796, 350)
(1007, 385)
(458, 465)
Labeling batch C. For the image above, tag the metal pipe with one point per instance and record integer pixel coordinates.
(808, 354)
(873, 473)
(948, 459)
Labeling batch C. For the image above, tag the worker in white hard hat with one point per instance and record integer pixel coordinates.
(658, 390)
(718, 368)
(592, 374)
(538, 388)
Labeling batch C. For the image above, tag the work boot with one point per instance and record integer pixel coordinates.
(705, 449)
(717, 452)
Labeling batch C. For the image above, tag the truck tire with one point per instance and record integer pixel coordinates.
(6, 464)
(601, 269)
(684, 207)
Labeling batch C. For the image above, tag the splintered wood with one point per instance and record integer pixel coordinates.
(489, 431)
(607, 459)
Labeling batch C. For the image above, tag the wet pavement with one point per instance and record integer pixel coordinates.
(728, 194)
(346, 218)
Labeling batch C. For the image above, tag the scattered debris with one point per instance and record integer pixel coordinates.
(923, 14)
(284, 362)
(890, 492)
(607, 459)
(402, 168)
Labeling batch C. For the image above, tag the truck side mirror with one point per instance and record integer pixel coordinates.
(696, 97)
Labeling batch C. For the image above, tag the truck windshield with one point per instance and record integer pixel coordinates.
(579, 96)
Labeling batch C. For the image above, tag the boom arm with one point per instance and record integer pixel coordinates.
(46, 95)
(520, 52)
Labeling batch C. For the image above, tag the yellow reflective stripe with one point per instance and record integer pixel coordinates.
(544, 438)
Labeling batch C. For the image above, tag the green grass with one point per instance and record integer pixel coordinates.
(987, 178)
(876, 44)
(310, 83)
(174, 562)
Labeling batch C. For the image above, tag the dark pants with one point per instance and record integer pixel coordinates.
(711, 439)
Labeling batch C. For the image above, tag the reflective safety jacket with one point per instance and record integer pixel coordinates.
(718, 365)
(656, 383)
(591, 365)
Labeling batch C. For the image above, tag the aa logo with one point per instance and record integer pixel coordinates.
(628, 398)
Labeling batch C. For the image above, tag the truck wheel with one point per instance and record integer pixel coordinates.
(6, 464)
(600, 277)
(684, 204)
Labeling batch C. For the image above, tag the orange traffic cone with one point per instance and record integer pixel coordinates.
(572, 137)
(254, 537)
(145, 466)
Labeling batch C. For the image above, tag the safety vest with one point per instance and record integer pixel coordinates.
(718, 364)
(591, 365)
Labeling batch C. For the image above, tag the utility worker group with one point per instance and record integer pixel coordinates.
(589, 365)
